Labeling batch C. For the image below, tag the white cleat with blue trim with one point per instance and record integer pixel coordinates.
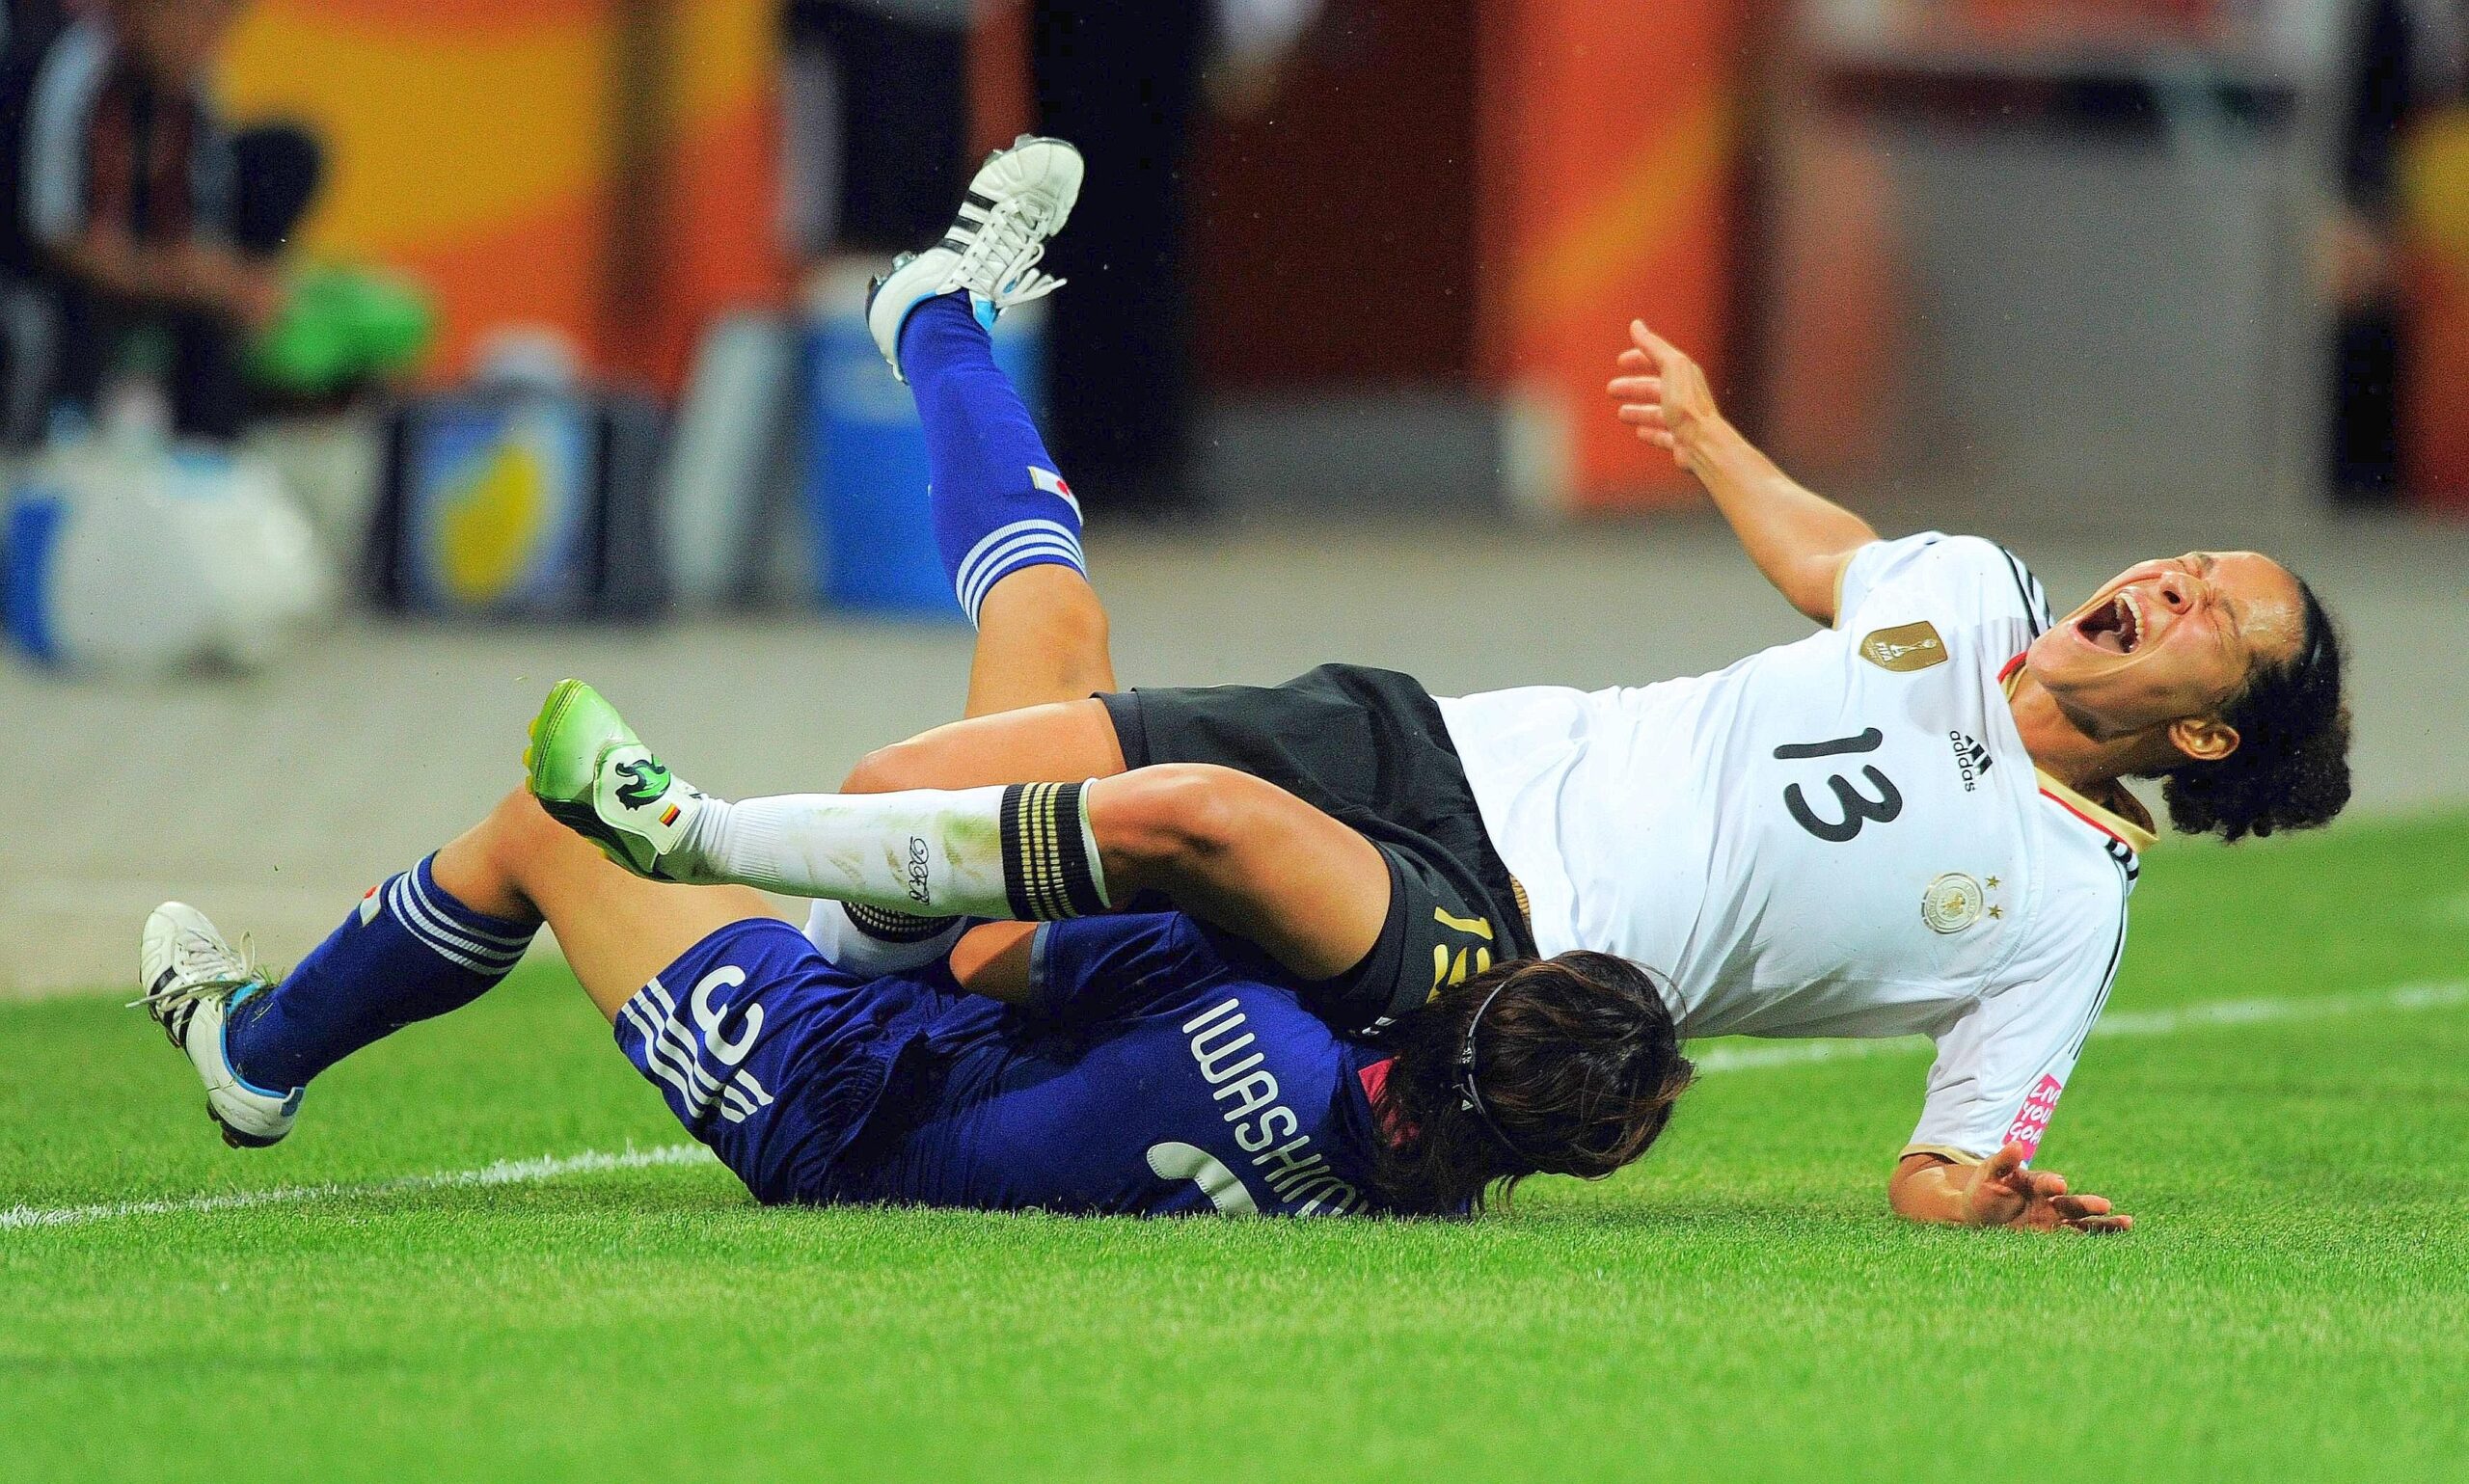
(192, 978)
(1017, 199)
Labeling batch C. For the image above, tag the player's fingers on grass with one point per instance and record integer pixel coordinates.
(2102, 1226)
(2077, 1207)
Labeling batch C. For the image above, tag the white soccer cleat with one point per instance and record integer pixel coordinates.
(192, 979)
(1019, 198)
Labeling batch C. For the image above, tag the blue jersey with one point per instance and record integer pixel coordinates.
(1157, 1071)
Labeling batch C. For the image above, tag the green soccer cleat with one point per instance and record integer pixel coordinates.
(595, 777)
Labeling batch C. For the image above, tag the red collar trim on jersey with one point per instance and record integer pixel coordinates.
(2133, 831)
(1374, 1077)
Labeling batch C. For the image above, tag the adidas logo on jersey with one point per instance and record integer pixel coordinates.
(1972, 759)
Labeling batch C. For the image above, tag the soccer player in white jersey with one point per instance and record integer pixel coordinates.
(1914, 822)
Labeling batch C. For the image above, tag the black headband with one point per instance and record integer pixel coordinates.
(1468, 1096)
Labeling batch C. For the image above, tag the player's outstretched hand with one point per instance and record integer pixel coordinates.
(1662, 392)
(2002, 1193)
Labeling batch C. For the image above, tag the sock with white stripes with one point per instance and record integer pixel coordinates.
(409, 952)
(998, 502)
(1023, 852)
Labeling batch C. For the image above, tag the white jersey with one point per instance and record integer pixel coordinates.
(1843, 836)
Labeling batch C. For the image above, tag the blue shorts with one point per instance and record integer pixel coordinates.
(770, 1055)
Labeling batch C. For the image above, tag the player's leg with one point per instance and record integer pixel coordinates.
(427, 941)
(1232, 847)
(1054, 743)
(1005, 522)
(1000, 507)
(1042, 639)
(616, 930)
(1247, 856)
(1058, 741)
(411, 949)
(1009, 531)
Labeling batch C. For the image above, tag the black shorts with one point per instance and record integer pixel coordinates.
(1366, 747)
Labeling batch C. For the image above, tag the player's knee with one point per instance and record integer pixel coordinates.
(518, 834)
(1075, 626)
(1051, 609)
(1173, 819)
(904, 765)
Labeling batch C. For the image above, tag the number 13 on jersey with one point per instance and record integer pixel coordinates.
(1858, 808)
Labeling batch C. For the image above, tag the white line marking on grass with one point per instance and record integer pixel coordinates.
(505, 1171)
(2444, 995)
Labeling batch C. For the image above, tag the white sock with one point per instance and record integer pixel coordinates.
(889, 943)
(1025, 850)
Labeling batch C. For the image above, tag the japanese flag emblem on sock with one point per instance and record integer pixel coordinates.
(1053, 483)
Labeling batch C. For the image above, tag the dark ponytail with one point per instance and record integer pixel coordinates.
(1575, 1066)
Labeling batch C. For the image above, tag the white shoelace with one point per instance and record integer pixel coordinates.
(1011, 241)
(202, 968)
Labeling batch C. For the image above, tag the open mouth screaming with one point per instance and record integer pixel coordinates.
(2116, 626)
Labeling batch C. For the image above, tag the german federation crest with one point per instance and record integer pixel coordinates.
(1952, 903)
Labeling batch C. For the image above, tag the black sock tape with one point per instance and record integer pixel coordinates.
(1048, 874)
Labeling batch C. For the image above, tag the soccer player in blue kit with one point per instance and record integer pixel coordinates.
(1148, 1068)
(1133, 1064)
(1138, 1062)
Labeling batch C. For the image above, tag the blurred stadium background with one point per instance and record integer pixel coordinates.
(2102, 278)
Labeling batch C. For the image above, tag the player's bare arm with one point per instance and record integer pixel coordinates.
(1801, 540)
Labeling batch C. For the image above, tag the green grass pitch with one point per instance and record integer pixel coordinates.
(2294, 1304)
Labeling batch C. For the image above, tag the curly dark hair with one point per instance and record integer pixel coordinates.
(1577, 1063)
(2291, 770)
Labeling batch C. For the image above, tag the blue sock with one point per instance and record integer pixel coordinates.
(408, 952)
(998, 504)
